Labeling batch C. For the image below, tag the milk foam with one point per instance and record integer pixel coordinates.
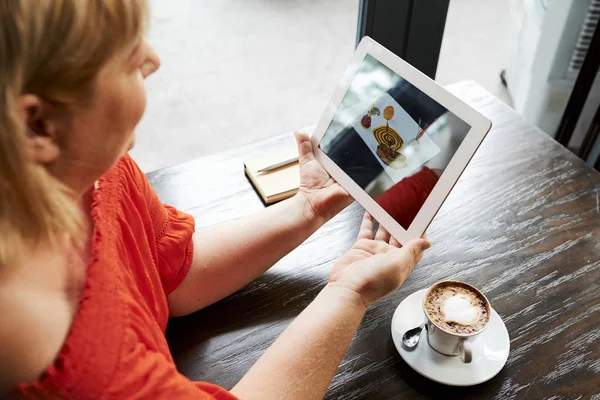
(459, 308)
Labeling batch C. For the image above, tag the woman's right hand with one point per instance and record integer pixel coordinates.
(295, 366)
(376, 266)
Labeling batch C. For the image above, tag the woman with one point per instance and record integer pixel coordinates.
(92, 264)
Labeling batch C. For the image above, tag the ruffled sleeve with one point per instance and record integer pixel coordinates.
(171, 229)
(175, 247)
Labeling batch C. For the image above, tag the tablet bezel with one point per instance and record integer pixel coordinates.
(480, 126)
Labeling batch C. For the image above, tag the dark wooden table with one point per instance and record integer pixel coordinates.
(522, 224)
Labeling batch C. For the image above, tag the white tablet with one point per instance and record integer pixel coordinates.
(396, 140)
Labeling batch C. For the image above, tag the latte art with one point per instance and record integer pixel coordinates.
(460, 309)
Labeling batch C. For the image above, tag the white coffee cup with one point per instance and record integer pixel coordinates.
(452, 343)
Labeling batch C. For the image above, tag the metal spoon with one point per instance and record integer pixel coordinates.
(411, 337)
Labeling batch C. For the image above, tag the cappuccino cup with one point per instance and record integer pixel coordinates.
(456, 313)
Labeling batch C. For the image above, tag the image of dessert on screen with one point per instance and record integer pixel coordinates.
(392, 139)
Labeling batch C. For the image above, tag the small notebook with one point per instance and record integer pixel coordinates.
(278, 184)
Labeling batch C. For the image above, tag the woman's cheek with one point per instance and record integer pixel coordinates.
(138, 104)
(141, 94)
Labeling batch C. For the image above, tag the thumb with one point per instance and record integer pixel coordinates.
(305, 152)
(410, 254)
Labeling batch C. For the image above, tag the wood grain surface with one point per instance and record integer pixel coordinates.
(522, 224)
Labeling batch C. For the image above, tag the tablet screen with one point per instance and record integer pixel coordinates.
(392, 139)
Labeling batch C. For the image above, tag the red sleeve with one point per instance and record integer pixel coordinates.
(175, 247)
(404, 200)
(172, 231)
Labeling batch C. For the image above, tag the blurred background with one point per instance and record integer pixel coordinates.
(235, 71)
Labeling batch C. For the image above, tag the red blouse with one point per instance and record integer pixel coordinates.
(404, 200)
(116, 347)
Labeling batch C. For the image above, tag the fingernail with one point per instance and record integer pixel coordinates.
(424, 245)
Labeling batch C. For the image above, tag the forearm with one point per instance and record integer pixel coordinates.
(229, 256)
(302, 361)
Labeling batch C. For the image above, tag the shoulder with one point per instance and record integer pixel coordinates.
(130, 167)
(126, 171)
(35, 322)
(126, 182)
(125, 193)
(32, 330)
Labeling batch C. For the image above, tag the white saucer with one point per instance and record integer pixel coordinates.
(490, 348)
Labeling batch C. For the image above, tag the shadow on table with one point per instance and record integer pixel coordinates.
(432, 389)
(271, 299)
(236, 331)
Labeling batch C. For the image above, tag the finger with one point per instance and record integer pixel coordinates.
(408, 256)
(394, 242)
(305, 151)
(382, 234)
(366, 227)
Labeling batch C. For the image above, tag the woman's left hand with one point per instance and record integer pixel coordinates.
(324, 195)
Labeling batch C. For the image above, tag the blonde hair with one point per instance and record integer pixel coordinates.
(53, 49)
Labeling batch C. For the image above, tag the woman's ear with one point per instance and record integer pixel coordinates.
(41, 131)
